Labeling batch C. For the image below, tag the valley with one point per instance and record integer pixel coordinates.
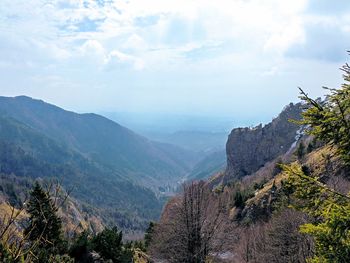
(117, 175)
(164, 131)
(168, 199)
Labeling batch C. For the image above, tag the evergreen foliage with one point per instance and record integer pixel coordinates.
(259, 185)
(60, 259)
(45, 227)
(242, 195)
(331, 209)
(80, 247)
(300, 150)
(149, 233)
(5, 256)
(109, 245)
(310, 147)
(239, 199)
(329, 120)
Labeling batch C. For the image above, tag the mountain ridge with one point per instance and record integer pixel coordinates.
(112, 169)
(101, 139)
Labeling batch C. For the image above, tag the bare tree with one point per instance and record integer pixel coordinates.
(284, 242)
(187, 230)
(276, 241)
(251, 243)
(11, 238)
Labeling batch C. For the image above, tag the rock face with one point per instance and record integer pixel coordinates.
(248, 149)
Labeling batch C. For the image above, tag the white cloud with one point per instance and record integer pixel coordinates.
(262, 25)
(182, 45)
(136, 43)
(93, 51)
(117, 58)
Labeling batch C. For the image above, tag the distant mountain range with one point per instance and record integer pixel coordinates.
(111, 168)
(202, 142)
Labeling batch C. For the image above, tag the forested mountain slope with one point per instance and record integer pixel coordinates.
(102, 140)
(115, 173)
(29, 154)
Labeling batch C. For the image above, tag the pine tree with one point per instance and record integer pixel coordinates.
(80, 247)
(45, 227)
(300, 150)
(331, 208)
(239, 199)
(149, 233)
(329, 120)
(109, 245)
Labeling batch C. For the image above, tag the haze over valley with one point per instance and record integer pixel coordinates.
(162, 131)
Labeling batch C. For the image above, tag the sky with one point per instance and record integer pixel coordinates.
(239, 58)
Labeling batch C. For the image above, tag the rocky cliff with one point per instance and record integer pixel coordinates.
(248, 149)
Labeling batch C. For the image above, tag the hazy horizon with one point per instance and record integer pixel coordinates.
(243, 59)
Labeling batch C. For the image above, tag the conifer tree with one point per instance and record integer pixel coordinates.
(300, 150)
(45, 227)
(239, 199)
(109, 245)
(329, 120)
(331, 230)
(149, 233)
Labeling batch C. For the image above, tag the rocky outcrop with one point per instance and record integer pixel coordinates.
(248, 149)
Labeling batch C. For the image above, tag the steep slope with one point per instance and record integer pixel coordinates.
(100, 190)
(208, 166)
(248, 149)
(104, 141)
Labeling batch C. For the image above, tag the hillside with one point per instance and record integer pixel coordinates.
(238, 200)
(284, 196)
(31, 155)
(15, 189)
(211, 164)
(115, 173)
(103, 141)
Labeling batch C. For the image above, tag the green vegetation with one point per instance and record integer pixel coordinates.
(300, 150)
(44, 230)
(112, 170)
(260, 185)
(198, 224)
(109, 245)
(241, 195)
(149, 233)
(29, 154)
(329, 122)
(331, 210)
(43, 239)
(239, 200)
